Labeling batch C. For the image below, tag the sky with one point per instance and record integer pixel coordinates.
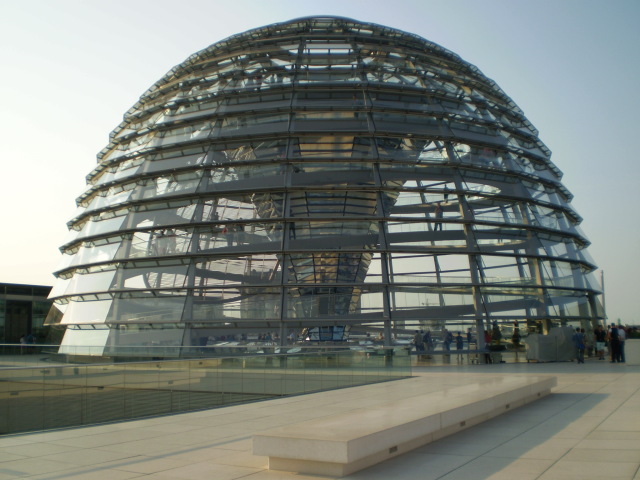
(70, 69)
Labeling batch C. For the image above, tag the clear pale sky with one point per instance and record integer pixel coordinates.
(71, 68)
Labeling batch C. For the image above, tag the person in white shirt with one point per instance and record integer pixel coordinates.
(622, 336)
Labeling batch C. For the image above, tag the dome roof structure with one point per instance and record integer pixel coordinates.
(317, 177)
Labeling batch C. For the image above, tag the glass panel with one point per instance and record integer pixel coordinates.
(244, 151)
(101, 226)
(242, 207)
(249, 270)
(406, 124)
(84, 342)
(173, 163)
(323, 269)
(271, 173)
(399, 148)
(59, 287)
(434, 302)
(154, 308)
(503, 238)
(158, 243)
(124, 169)
(424, 205)
(324, 301)
(254, 235)
(90, 282)
(334, 176)
(110, 198)
(333, 203)
(332, 147)
(416, 268)
(169, 185)
(235, 305)
(88, 254)
(569, 303)
(162, 216)
(334, 120)
(419, 234)
(243, 125)
(157, 277)
(341, 233)
(79, 312)
(41, 400)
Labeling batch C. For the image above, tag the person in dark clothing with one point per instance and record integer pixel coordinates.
(428, 342)
(459, 346)
(600, 337)
(418, 342)
(447, 338)
(622, 337)
(487, 346)
(579, 343)
(614, 344)
(438, 213)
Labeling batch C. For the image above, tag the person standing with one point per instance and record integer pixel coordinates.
(516, 338)
(585, 342)
(622, 336)
(161, 243)
(487, 347)
(418, 342)
(438, 214)
(600, 337)
(428, 343)
(447, 338)
(614, 343)
(170, 241)
(459, 346)
(578, 341)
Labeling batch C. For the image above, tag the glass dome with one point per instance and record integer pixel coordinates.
(315, 179)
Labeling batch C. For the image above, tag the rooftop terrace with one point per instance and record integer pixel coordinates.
(588, 428)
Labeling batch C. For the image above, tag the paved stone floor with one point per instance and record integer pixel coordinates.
(588, 428)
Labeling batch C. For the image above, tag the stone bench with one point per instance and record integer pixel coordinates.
(345, 443)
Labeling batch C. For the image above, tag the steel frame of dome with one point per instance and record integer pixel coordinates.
(321, 174)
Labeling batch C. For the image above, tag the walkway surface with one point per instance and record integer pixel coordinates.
(588, 428)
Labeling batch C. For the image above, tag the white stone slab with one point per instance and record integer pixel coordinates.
(352, 440)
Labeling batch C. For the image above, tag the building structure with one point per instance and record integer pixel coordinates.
(315, 177)
(23, 309)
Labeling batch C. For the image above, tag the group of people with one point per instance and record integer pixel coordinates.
(613, 338)
(233, 234)
(424, 344)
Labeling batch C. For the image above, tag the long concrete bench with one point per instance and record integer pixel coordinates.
(342, 444)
